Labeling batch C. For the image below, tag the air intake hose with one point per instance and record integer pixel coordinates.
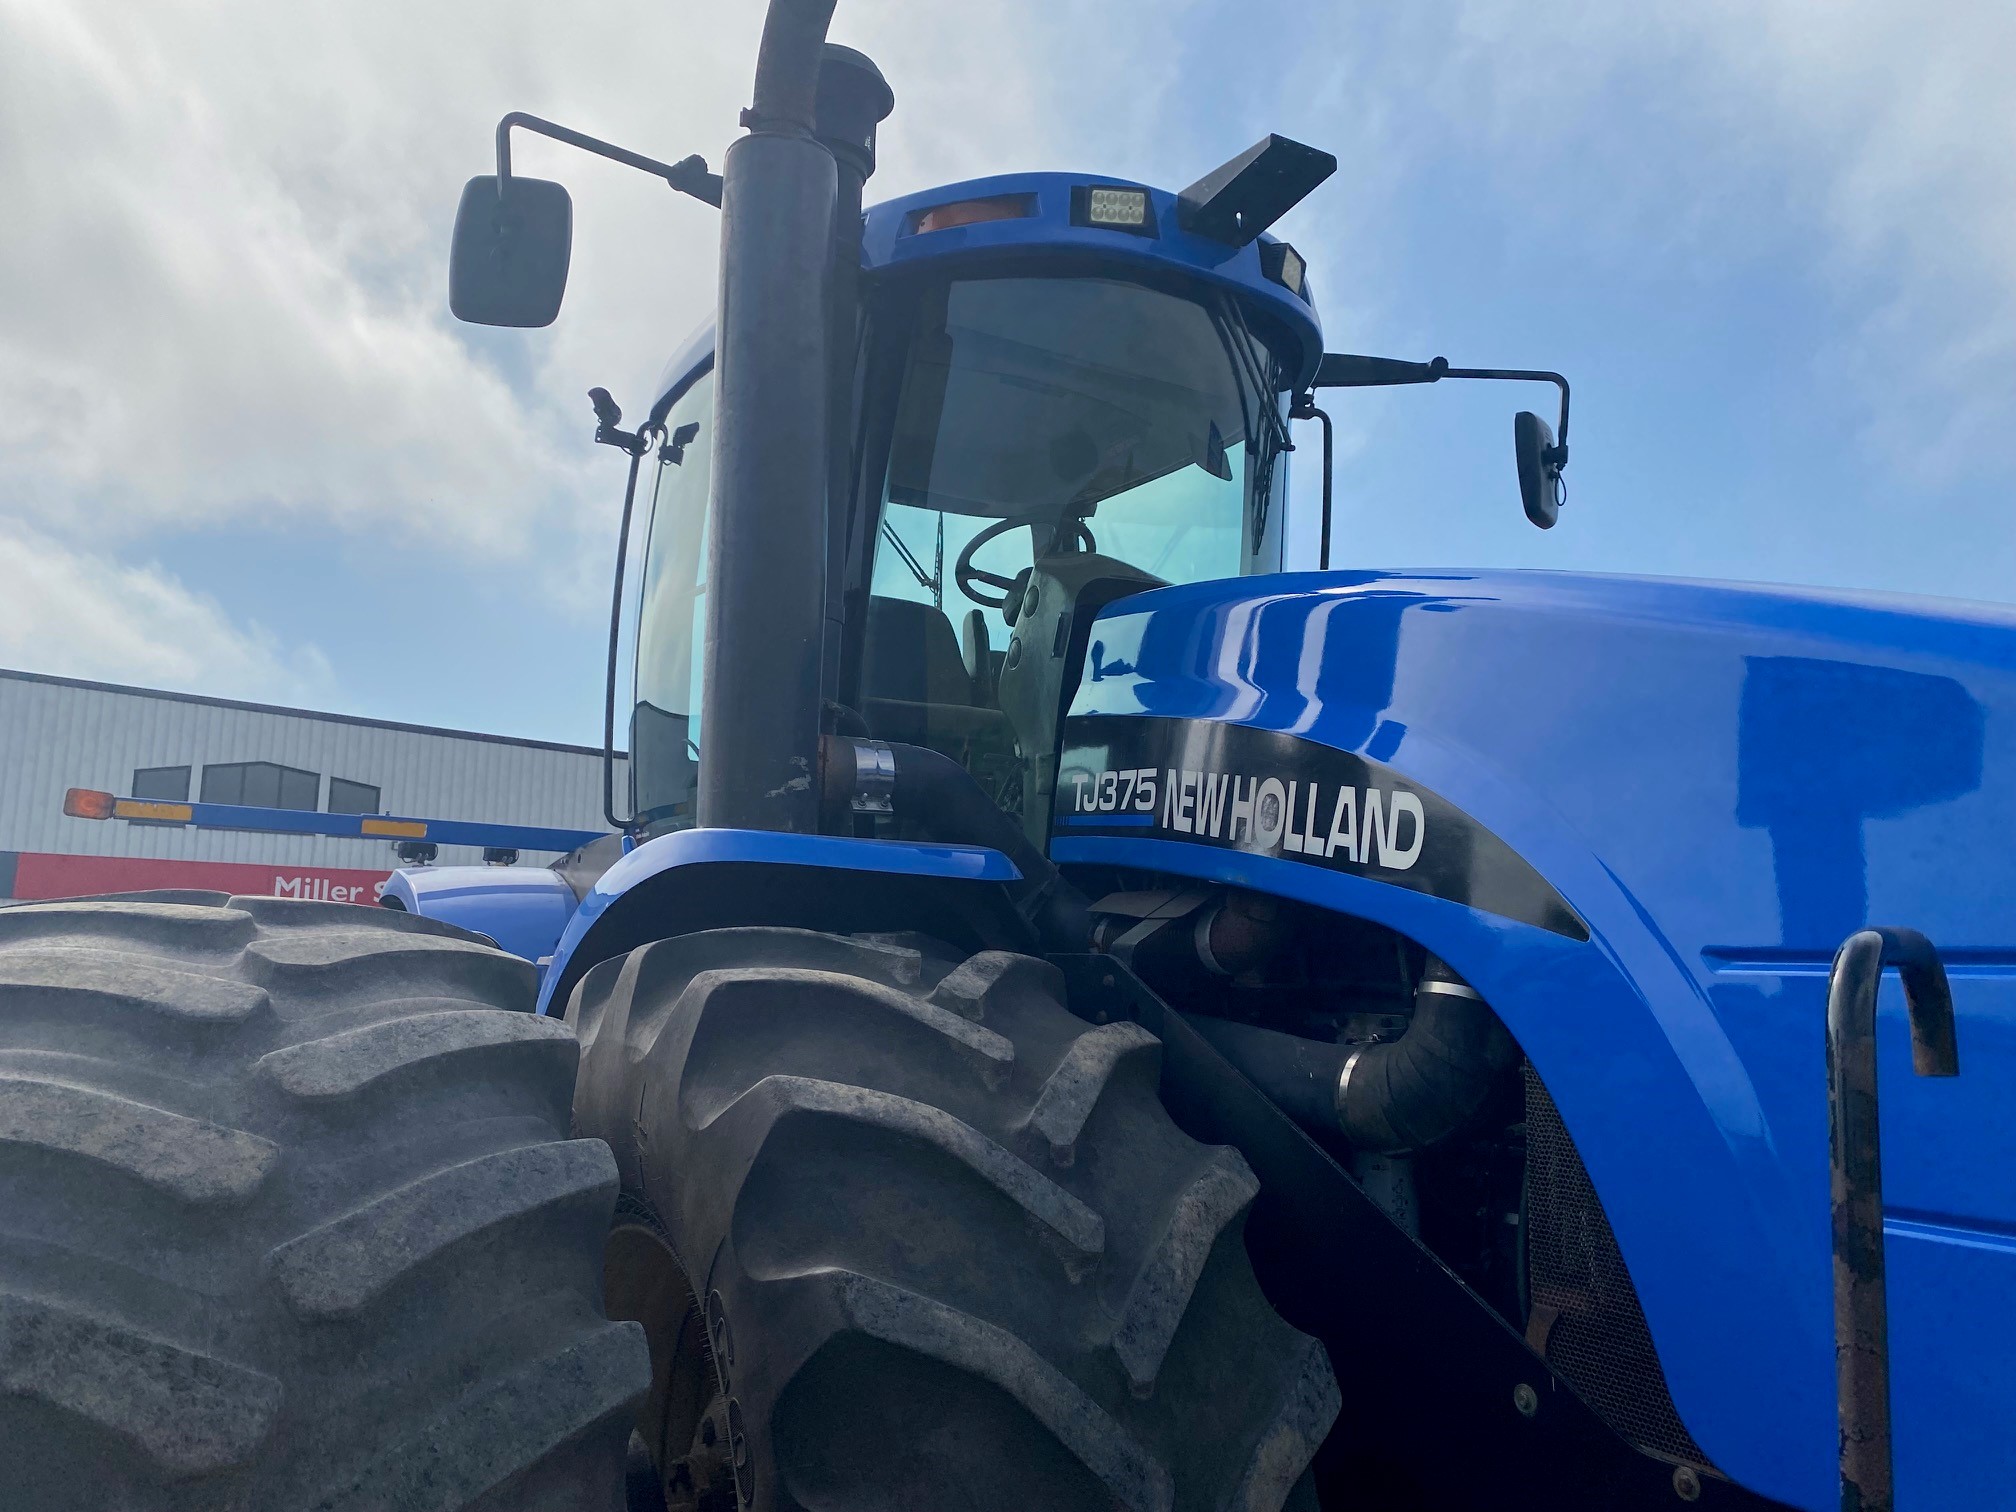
(1405, 1094)
(941, 798)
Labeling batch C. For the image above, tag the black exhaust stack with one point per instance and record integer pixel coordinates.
(767, 541)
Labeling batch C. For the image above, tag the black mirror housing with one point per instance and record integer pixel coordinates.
(513, 239)
(1539, 471)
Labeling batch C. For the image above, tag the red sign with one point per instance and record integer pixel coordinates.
(51, 876)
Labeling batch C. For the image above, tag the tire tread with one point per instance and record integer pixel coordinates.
(834, 1181)
(283, 1180)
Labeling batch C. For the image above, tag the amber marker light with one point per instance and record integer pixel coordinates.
(405, 829)
(974, 211)
(145, 808)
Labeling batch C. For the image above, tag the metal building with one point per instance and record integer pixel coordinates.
(58, 733)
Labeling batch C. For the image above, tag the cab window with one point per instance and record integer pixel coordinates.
(671, 617)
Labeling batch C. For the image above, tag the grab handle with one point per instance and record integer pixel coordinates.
(1854, 1147)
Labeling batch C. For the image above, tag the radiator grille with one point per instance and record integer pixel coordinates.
(1585, 1311)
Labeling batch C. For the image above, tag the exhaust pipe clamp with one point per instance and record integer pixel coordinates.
(874, 789)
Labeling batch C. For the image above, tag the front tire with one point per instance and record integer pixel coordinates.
(291, 1219)
(943, 1245)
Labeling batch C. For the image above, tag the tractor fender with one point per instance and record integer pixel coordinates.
(697, 879)
(1652, 1091)
(523, 909)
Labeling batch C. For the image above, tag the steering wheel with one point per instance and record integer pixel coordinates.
(966, 575)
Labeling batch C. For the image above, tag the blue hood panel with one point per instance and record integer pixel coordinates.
(1722, 782)
(522, 908)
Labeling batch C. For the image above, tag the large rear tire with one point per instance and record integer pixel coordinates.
(945, 1246)
(291, 1219)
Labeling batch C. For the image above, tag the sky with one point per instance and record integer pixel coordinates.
(245, 451)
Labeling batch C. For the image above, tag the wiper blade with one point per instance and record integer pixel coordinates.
(1241, 343)
(909, 558)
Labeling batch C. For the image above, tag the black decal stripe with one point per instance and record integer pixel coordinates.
(1233, 787)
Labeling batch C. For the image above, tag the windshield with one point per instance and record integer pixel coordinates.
(1094, 414)
(1053, 443)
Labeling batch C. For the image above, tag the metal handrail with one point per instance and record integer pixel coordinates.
(1854, 1147)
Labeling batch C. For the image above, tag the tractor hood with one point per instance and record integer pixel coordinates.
(1640, 815)
(1765, 766)
(522, 908)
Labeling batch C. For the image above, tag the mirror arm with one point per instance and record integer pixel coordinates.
(688, 175)
(1343, 370)
(1557, 454)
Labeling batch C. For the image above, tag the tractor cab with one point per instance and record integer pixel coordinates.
(1050, 412)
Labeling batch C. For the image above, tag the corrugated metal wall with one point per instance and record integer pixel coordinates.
(56, 734)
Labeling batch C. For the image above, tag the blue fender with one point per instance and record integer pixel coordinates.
(1721, 783)
(523, 908)
(662, 887)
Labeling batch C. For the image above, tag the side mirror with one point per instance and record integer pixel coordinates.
(1539, 468)
(513, 237)
(1541, 457)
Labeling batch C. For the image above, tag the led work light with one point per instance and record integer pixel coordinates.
(1284, 265)
(1112, 207)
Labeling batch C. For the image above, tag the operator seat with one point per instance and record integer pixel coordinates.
(976, 652)
(911, 661)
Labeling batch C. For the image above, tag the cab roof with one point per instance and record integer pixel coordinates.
(1048, 230)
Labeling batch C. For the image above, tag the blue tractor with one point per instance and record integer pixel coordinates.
(1068, 1013)
(1088, 1017)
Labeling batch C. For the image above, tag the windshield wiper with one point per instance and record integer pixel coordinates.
(1240, 344)
(924, 579)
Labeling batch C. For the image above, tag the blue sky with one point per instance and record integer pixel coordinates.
(243, 450)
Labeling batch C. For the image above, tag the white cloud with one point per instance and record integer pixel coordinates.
(1910, 112)
(1870, 144)
(221, 294)
(79, 614)
(222, 291)
(181, 342)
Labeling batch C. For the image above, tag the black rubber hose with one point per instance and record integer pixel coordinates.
(943, 798)
(940, 797)
(1298, 1074)
(787, 65)
(1405, 1094)
(1435, 1079)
